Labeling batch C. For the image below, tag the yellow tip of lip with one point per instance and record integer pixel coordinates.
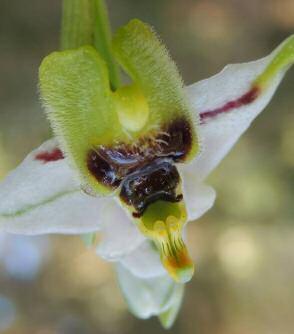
(180, 267)
(164, 226)
(184, 275)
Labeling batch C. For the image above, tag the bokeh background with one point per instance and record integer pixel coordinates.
(244, 247)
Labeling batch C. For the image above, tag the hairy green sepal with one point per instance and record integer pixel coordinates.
(75, 88)
(146, 60)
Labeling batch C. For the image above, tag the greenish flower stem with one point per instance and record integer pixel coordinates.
(85, 22)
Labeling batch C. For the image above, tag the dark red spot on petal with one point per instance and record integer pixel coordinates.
(48, 156)
(245, 99)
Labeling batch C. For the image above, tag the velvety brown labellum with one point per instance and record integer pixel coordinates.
(156, 181)
(145, 169)
(110, 165)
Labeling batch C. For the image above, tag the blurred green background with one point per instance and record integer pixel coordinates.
(244, 247)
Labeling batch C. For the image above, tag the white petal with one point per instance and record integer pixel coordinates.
(120, 236)
(144, 261)
(43, 197)
(149, 296)
(168, 317)
(227, 104)
(198, 197)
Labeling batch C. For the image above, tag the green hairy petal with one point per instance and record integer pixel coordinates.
(75, 89)
(146, 60)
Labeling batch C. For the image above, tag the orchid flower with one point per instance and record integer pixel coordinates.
(131, 163)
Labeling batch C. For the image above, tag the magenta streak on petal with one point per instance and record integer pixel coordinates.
(47, 156)
(245, 99)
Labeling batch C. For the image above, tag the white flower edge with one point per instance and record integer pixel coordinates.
(148, 297)
(229, 101)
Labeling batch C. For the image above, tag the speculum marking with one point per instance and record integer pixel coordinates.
(145, 170)
(156, 181)
(110, 165)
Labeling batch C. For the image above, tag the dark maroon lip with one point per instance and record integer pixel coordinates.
(110, 165)
(156, 181)
(49, 156)
(145, 170)
(243, 100)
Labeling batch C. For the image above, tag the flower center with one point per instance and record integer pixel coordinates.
(110, 165)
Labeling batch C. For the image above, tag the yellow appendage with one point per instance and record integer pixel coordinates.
(166, 232)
